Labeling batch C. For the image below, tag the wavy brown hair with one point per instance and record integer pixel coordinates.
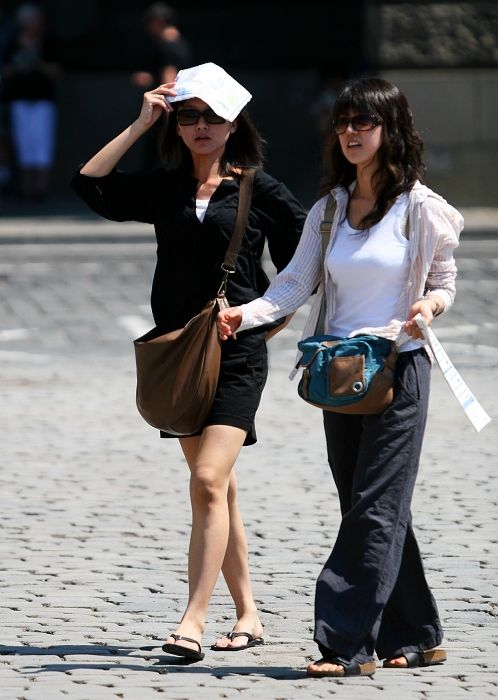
(244, 148)
(399, 156)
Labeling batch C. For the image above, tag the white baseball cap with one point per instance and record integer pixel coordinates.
(214, 86)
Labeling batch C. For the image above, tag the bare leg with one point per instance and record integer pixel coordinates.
(236, 573)
(210, 458)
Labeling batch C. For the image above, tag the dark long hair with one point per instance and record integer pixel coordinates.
(399, 156)
(244, 148)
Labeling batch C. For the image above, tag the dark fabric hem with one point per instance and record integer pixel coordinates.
(250, 439)
(430, 643)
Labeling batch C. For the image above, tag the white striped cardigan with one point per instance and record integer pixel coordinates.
(433, 231)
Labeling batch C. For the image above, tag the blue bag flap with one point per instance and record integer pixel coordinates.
(319, 351)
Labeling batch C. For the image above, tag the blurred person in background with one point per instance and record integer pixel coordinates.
(161, 52)
(29, 90)
(6, 36)
(164, 50)
(322, 105)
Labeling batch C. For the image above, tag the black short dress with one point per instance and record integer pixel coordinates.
(189, 257)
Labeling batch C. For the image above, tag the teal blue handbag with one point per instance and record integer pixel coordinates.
(347, 375)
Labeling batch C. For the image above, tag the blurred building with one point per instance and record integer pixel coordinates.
(444, 56)
(291, 56)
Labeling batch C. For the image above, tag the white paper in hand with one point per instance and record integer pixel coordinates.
(473, 409)
(214, 86)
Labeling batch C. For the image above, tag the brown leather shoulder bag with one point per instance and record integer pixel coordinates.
(177, 372)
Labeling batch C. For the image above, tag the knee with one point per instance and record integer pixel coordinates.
(207, 488)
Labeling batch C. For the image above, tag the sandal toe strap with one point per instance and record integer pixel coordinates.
(177, 637)
(233, 635)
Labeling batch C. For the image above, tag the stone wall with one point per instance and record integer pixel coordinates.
(444, 56)
(456, 115)
(432, 34)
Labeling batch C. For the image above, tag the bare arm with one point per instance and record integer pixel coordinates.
(109, 156)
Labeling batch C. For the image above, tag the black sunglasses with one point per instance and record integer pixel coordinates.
(190, 116)
(360, 122)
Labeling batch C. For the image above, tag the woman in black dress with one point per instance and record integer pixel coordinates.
(193, 207)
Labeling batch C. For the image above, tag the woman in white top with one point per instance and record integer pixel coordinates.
(390, 257)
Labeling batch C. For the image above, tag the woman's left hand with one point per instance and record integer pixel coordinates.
(427, 308)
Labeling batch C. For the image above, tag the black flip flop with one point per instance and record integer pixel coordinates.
(184, 652)
(348, 668)
(416, 659)
(251, 642)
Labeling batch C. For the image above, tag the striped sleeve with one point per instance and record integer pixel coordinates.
(292, 287)
(444, 223)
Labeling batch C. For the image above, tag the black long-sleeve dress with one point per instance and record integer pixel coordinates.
(189, 257)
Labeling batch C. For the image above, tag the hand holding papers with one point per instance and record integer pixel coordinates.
(473, 409)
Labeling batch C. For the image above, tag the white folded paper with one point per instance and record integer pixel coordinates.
(214, 86)
(473, 409)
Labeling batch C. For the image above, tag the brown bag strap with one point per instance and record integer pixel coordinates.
(245, 195)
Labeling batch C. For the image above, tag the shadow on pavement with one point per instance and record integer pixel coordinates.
(162, 664)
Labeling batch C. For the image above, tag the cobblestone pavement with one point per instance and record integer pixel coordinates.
(95, 507)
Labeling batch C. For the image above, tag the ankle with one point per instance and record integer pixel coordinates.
(247, 610)
(249, 623)
(191, 626)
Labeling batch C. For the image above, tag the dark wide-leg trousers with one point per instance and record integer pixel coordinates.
(372, 595)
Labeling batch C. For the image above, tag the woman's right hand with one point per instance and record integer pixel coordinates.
(228, 321)
(154, 104)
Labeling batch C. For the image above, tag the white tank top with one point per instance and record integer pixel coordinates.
(369, 270)
(201, 206)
